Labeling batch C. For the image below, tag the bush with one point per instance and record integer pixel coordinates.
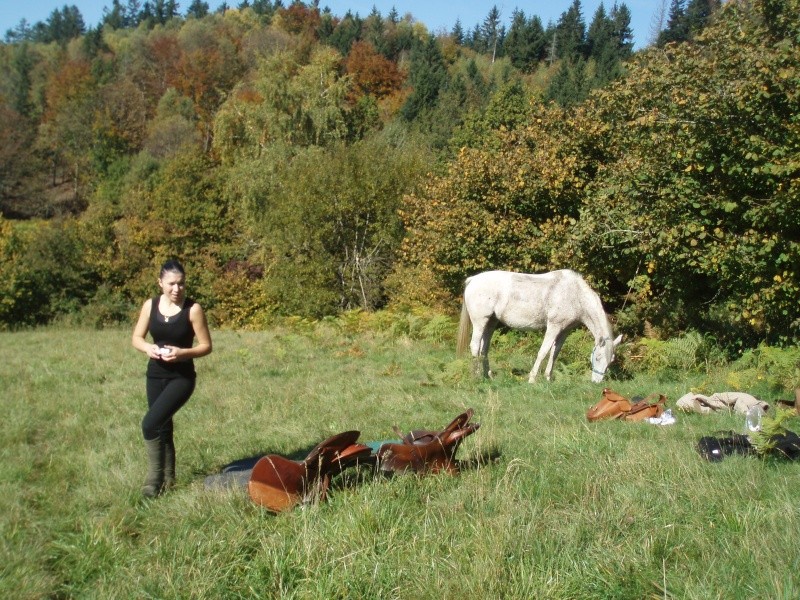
(42, 271)
(689, 353)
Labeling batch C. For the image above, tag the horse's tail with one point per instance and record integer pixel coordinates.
(463, 330)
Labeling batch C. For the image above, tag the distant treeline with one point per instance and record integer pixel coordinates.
(302, 163)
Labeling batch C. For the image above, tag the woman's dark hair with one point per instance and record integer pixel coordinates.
(172, 266)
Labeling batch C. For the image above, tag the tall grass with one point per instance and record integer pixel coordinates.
(547, 505)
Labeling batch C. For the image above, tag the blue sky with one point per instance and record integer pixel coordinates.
(435, 14)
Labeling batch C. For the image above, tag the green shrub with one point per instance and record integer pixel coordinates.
(689, 353)
(778, 368)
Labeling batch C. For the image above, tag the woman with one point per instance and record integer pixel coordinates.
(173, 321)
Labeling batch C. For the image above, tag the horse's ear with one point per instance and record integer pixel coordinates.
(618, 341)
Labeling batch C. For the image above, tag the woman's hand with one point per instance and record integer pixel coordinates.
(169, 353)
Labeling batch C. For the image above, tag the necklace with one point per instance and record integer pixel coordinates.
(168, 317)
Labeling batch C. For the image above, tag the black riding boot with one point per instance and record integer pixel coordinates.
(154, 481)
(169, 460)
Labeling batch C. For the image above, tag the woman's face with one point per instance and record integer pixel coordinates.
(173, 286)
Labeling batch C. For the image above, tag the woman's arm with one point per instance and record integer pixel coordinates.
(140, 331)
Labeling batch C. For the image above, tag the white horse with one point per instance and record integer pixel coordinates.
(558, 302)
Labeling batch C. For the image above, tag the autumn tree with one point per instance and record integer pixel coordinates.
(288, 102)
(207, 68)
(507, 203)
(42, 272)
(695, 219)
(156, 210)
(119, 124)
(173, 128)
(299, 19)
(17, 166)
(326, 220)
(65, 136)
(371, 72)
(153, 62)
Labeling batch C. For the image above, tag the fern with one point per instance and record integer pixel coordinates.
(771, 427)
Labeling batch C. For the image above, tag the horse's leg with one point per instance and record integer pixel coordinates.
(560, 338)
(486, 340)
(548, 342)
(482, 330)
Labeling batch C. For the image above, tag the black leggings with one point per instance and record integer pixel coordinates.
(164, 397)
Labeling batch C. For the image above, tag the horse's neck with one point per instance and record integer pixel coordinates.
(596, 321)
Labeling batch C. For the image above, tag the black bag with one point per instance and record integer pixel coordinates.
(782, 445)
(716, 448)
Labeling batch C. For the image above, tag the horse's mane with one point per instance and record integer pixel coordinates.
(603, 329)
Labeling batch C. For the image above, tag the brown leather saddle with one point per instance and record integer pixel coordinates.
(426, 451)
(278, 483)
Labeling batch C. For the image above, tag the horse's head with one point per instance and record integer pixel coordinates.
(603, 356)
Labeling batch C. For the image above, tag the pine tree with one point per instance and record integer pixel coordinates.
(490, 31)
(147, 13)
(603, 47)
(21, 79)
(428, 75)
(264, 7)
(114, 18)
(63, 25)
(346, 32)
(133, 11)
(476, 41)
(171, 9)
(621, 19)
(698, 14)
(197, 9)
(570, 85)
(677, 27)
(458, 33)
(571, 31)
(600, 34)
(525, 42)
(375, 32)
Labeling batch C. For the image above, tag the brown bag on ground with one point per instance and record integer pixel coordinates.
(644, 409)
(611, 406)
(615, 406)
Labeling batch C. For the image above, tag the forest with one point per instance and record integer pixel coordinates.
(304, 164)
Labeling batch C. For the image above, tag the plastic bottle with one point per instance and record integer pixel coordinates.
(752, 420)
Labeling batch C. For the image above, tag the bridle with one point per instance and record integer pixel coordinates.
(595, 371)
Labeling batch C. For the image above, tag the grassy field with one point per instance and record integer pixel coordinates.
(547, 505)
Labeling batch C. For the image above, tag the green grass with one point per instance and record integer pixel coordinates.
(547, 506)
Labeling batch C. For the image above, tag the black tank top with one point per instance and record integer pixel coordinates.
(177, 331)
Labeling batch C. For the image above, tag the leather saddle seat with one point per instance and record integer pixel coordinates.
(426, 451)
(278, 483)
